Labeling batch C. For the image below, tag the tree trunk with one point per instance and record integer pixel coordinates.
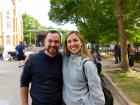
(122, 36)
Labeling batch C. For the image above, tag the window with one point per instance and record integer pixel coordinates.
(8, 20)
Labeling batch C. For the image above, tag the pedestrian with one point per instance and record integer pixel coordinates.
(20, 53)
(44, 72)
(117, 53)
(96, 58)
(81, 87)
(92, 48)
(25, 44)
(130, 55)
(97, 48)
(1, 54)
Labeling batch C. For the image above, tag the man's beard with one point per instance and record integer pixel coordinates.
(52, 50)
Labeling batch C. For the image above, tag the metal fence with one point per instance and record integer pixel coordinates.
(108, 50)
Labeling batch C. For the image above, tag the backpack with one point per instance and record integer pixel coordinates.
(109, 100)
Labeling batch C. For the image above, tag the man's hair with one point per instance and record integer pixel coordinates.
(20, 42)
(52, 31)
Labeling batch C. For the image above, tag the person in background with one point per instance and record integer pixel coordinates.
(20, 53)
(117, 53)
(97, 48)
(81, 87)
(25, 44)
(1, 54)
(96, 58)
(44, 72)
(131, 55)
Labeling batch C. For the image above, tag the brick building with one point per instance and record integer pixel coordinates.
(11, 27)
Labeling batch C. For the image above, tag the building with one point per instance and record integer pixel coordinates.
(40, 36)
(11, 27)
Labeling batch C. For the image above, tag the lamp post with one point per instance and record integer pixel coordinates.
(30, 39)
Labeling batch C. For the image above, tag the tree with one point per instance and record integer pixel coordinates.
(63, 34)
(128, 15)
(29, 25)
(123, 38)
(95, 19)
(98, 20)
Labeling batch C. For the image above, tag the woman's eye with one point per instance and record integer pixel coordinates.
(75, 40)
(68, 41)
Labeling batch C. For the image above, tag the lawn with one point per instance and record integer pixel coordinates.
(129, 83)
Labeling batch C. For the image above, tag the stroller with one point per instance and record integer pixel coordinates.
(12, 56)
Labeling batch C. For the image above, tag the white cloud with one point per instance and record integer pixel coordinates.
(39, 9)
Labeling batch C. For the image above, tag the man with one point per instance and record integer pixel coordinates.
(117, 54)
(44, 71)
(20, 53)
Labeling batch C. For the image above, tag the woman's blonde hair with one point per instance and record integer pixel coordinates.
(84, 50)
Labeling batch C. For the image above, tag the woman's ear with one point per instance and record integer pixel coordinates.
(82, 44)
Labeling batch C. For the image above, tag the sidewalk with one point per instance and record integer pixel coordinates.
(109, 65)
(9, 83)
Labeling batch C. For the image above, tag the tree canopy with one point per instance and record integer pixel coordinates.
(29, 25)
(95, 19)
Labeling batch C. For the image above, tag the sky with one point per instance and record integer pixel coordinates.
(39, 9)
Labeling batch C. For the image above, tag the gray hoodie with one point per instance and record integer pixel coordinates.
(77, 90)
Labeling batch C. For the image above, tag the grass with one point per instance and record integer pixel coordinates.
(129, 83)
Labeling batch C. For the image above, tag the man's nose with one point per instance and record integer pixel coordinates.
(53, 43)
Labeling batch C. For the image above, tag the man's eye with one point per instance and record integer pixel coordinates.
(56, 41)
(50, 41)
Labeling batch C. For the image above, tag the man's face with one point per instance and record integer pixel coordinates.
(52, 44)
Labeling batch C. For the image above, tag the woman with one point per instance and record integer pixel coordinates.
(81, 87)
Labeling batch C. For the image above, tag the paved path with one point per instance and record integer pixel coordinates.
(109, 65)
(9, 83)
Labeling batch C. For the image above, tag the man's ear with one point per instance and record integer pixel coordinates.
(44, 41)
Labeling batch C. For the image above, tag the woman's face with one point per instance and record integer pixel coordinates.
(74, 44)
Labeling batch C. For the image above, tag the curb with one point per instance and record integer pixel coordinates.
(123, 99)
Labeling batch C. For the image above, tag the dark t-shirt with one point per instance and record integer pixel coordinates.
(45, 75)
(117, 50)
(19, 50)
